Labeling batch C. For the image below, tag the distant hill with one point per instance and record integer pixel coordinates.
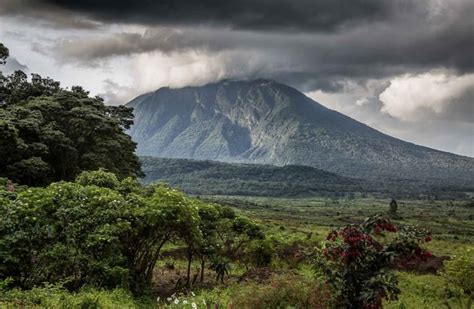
(218, 178)
(266, 122)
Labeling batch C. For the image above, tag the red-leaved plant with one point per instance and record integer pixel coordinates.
(357, 260)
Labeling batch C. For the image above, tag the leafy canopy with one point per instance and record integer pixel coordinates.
(49, 133)
(106, 232)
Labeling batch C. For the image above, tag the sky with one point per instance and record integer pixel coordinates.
(404, 67)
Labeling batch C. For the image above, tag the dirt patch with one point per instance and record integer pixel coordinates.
(261, 275)
(430, 265)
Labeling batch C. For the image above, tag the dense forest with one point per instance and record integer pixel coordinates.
(218, 178)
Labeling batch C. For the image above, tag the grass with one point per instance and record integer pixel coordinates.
(424, 292)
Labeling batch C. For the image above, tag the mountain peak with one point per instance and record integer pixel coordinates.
(227, 82)
(263, 121)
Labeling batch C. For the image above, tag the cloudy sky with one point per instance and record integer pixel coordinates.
(404, 67)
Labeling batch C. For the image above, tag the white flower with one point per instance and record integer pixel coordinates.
(169, 299)
(185, 302)
(176, 301)
(194, 306)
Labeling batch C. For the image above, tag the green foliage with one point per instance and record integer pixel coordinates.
(49, 134)
(393, 208)
(107, 233)
(261, 252)
(218, 178)
(57, 297)
(100, 178)
(284, 292)
(459, 273)
(357, 264)
(4, 53)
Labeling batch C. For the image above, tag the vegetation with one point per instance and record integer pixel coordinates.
(217, 178)
(357, 264)
(75, 235)
(85, 239)
(108, 233)
(459, 272)
(3, 53)
(393, 209)
(49, 133)
(263, 121)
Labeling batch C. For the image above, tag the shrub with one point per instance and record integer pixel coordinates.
(100, 178)
(80, 234)
(459, 273)
(260, 253)
(107, 233)
(356, 261)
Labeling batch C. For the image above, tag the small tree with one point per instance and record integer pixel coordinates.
(357, 263)
(393, 209)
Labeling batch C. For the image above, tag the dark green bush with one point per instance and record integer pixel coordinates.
(107, 233)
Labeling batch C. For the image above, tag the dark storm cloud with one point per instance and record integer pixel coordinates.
(372, 50)
(239, 14)
(46, 13)
(340, 39)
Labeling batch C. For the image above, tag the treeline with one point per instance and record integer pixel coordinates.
(218, 178)
(105, 232)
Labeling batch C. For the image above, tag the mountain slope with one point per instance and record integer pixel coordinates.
(217, 178)
(269, 123)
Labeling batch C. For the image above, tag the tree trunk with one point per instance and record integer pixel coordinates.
(203, 261)
(188, 277)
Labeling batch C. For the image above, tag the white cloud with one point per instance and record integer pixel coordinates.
(428, 95)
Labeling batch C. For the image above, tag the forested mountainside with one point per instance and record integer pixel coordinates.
(266, 122)
(218, 178)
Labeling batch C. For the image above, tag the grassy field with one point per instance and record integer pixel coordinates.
(451, 222)
(295, 227)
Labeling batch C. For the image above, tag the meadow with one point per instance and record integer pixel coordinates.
(451, 222)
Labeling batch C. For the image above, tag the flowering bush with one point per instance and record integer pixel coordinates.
(356, 260)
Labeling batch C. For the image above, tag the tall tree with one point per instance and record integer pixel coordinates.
(48, 133)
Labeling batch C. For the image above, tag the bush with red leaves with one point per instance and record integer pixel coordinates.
(356, 260)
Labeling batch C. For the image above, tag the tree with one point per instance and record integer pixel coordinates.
(357, 263)
(3, 53)
(97, 231)
(57, 133)
(393, 208)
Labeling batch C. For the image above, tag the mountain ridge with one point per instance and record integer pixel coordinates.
(262, 121)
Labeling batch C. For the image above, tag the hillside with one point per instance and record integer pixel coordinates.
(269, 123)
(218, 178)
